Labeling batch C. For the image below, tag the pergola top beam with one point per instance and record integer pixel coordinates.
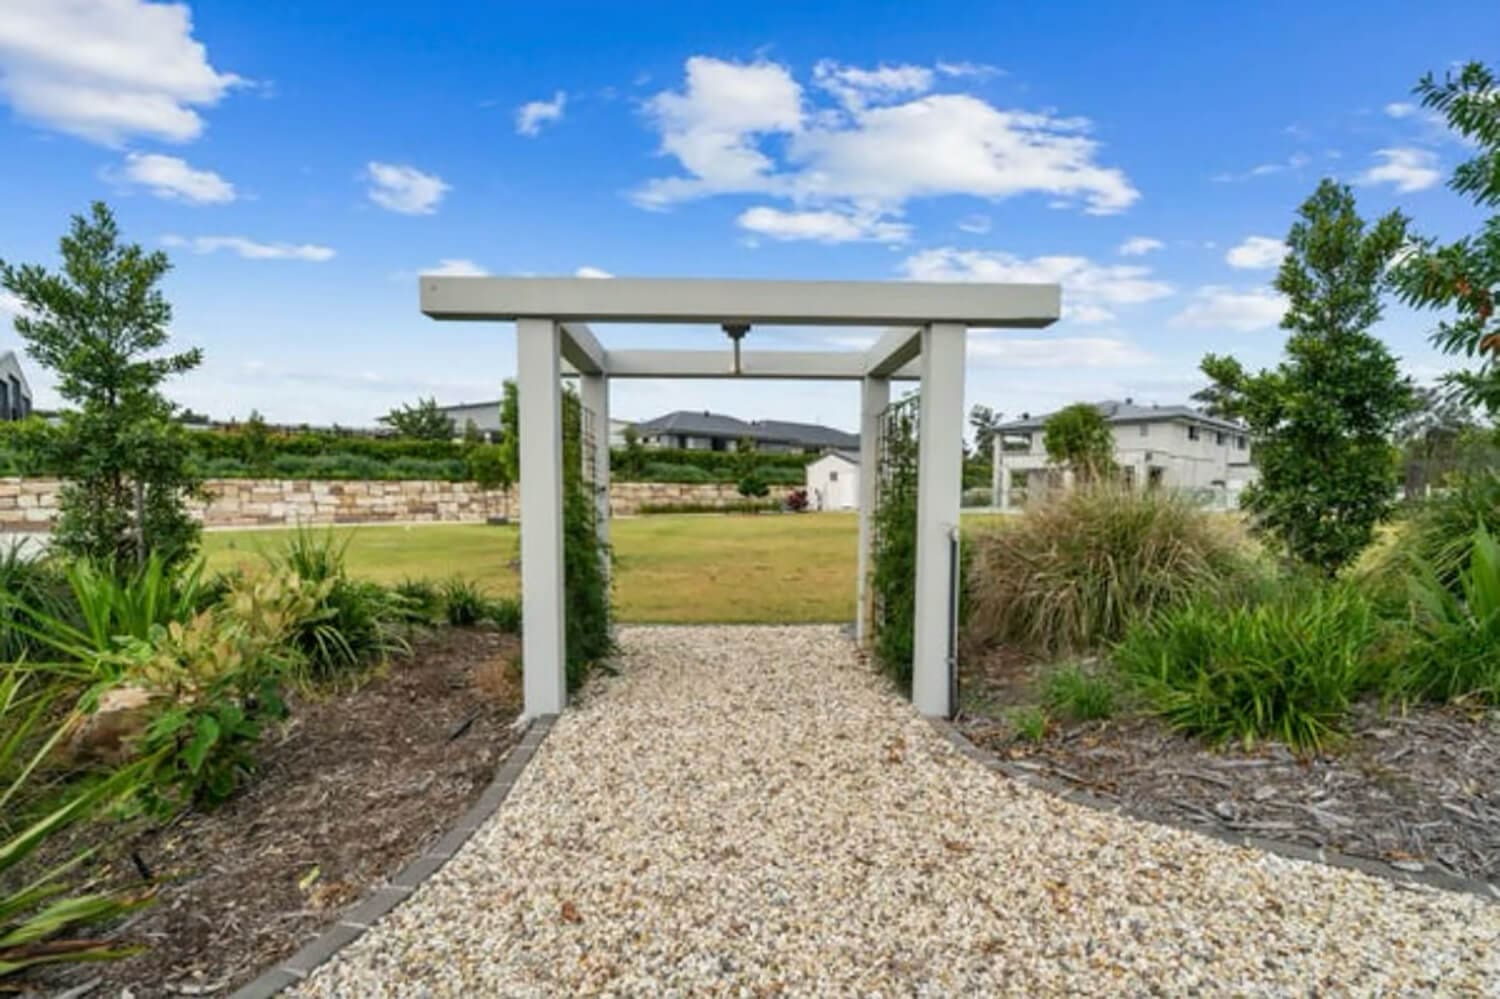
(689, 300)
(893, 350)
(784, 364)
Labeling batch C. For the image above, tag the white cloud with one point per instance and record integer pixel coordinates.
(107, 70)
(867, 157)
(404, 189)
(251, 249)
(977, 224)
(1400, 109)
(826, 226)
(1089, 290)
(455, 267)
(1217, 307)
(11, 307)
(592, 272)
(1256, 253)
(172, 179)
(1139, 246)
(530, 117)
(1057, 352)
(856, 88)
(1294, 162)
(977, 70)
(1407, 168)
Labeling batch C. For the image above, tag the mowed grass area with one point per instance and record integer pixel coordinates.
(668, 569)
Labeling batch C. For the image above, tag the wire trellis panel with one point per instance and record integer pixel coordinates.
(894, 536)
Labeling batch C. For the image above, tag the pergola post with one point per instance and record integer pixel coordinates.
(593, 392)
(939, 493)
(539, 386)
(874, 397)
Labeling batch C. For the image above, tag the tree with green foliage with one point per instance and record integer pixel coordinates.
(1465, 275)
(423, 422)
(1079, 437)
(260, 449)
(1323, 419)
(985, 423)
(635, 454)
(101, 326)
(752, 486)
(489, 470)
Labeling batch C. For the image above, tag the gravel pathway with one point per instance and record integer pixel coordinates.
(750, 811)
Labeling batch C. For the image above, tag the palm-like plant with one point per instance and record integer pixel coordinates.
(1457, 650)
(40, 921)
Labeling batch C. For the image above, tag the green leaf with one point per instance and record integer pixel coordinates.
(205, 735)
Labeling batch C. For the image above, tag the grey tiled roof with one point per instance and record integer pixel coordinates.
(698, 423)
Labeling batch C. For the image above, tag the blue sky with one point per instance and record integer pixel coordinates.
(303, 163)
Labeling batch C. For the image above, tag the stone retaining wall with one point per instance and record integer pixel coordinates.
(31, 504)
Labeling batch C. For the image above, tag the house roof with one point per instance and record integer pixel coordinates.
(702, 423)
(1128, 412)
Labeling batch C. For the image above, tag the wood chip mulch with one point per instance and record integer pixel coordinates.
(352, 787)
(1419, 790)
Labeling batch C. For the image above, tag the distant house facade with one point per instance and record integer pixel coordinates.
(486, 419)
(1156, 447)
(15, 393)
(833, 481)
(706, 431)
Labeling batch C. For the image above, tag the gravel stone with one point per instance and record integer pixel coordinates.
(752, 811)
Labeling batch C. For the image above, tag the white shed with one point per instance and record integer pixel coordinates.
(833, 482)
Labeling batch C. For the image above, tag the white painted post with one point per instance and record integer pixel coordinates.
(539, 384)
(997, 473)
(593, 392)
(1004, 500)
(939, 493)
(874, 396)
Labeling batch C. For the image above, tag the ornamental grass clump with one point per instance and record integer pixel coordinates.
(1455, 651)
(1287, 668)
(1073, 574)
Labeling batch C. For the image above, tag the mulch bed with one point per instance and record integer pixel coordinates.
(1419, 790)
(351, 788)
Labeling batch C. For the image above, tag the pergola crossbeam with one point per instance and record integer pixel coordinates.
(895, 349)
(786, 364)
(581, 349)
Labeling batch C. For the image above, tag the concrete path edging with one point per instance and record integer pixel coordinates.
(354, 921)
(1293, 851)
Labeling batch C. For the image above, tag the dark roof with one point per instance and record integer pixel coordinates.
(693, 423)
(1129, 412)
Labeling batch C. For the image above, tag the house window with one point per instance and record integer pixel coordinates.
(1192, 431)
(1240, 442)
(1220, 437)
(1145, 429)
(833, 476)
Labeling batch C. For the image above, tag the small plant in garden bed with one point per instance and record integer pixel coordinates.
(1030, 723)
(506, 615)
(464, 603)
(1079, 693)
(1455, 652)
(1287, 668)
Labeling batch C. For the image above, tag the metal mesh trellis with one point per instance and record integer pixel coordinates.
(894, 539)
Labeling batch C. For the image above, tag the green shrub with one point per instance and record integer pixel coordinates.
(464, 603)
(422, 600)
(1440, 535)
(30, 588)
(1071, 575)
(662, 471)
(1455, 652)
(753, 486)
(39, 922)
(353, 624)
(1030, 724)
(224, 468)
(506, 615)
(778, 475)
(1286, 669)
(1079, 693)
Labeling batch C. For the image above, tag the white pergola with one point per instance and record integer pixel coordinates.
(929, 324)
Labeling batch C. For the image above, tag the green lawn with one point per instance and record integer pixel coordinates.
(733, 568)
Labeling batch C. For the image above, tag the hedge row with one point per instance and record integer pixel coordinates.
(25, 450)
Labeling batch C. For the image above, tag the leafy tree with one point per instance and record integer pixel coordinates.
(472, 434)
(985, 423)
(1439, 437)
(423, 422)
(1324, 417)
(100, 324)
(1079, 437)
(1465, 275)
(260, 449)
(510, 434)
(752, 486)
(635, 454)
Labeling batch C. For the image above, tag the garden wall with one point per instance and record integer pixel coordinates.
(28, 504)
